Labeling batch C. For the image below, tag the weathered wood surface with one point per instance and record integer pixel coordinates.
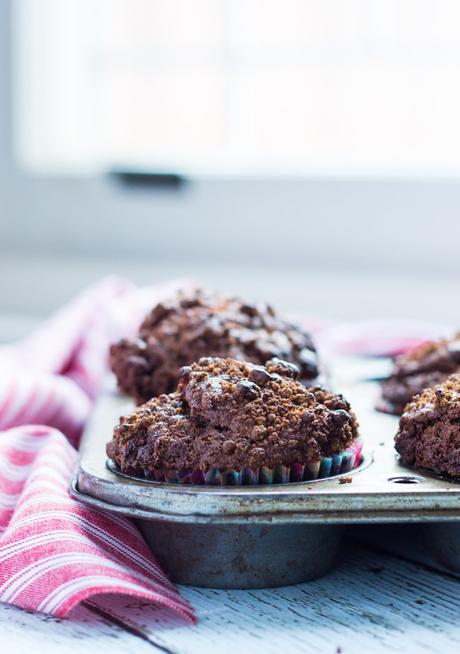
(373, 601)
(85, 632)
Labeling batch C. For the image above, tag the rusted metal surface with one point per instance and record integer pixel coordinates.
(240, 537)
(243, 555)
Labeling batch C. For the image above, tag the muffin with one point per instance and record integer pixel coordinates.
(234, 422)
(427, 365)
(429, 429)
(199, 323)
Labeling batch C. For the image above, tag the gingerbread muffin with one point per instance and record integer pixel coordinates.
(429, 429)
(427, 365)
(233, 422)
(189, 326)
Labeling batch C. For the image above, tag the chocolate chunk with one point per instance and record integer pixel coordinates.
(248, 389)
(308, 362)
(260, 376)
(184, 372)
(284, 368)
(249, 310)
(340, 416)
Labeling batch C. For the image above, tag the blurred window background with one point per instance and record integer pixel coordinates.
(316, 142)
(239, 86)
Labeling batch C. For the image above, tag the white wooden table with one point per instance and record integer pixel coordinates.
(375, 601)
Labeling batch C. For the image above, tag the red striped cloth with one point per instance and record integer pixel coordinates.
(55, 552)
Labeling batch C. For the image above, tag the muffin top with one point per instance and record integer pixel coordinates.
(429, 429)
(427, 365)
(233, 414)
(191, 325)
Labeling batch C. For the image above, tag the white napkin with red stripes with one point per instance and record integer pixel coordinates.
(55, 552)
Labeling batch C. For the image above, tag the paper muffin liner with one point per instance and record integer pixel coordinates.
(328, 466)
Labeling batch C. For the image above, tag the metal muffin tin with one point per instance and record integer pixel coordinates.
(261, 536)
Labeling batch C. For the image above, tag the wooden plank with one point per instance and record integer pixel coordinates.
(85, 632)
(371, 601)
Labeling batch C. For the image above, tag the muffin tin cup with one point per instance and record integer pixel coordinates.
(328, 466)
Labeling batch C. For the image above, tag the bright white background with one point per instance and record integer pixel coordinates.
(366, 87)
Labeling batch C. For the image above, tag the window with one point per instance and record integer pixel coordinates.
(308, 87)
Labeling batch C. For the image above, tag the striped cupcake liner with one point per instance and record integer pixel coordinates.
(328, 466)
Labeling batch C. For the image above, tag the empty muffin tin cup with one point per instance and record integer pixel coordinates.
(243, 555)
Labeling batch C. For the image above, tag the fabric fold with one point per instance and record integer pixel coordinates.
(56, 552)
